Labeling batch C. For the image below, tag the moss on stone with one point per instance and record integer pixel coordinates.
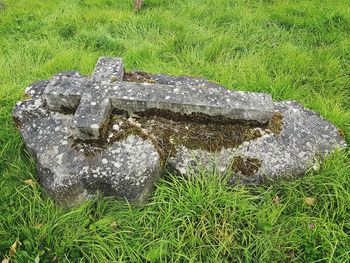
(276, 123)
(67, 111)
(167, 130)
(138, 76)
(25, 97)
(246, 166)
(341, 133)
(17, 122)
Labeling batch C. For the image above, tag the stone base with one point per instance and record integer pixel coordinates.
(133, 148)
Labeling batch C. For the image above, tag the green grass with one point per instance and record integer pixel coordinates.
(296, 50)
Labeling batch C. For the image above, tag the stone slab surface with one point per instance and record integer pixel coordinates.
(305, 139)
(127, 169)
(95, 98)
(64, 91)
(186, 100)
(108, 70)
(65, 112)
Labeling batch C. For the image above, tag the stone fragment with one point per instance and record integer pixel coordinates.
(64, 91)
(108, 70)
(115, 133)
(91, 114)
(96, 98)
(186, 100)
(127, 169)
(304, 139)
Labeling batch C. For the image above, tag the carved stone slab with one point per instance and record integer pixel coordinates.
(95, 98)
(115, 132)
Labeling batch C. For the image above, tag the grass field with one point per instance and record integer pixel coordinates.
(296, 50)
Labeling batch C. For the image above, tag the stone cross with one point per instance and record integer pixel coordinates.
(293, 143)
(93, 98)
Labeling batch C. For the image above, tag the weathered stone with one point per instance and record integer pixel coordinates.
(116, 132)
(186, 100)
(94, 99)
(64, 91)
(126, 169)
(305, 138)
(108, 70)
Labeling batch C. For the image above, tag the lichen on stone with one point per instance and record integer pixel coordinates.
(107, 133)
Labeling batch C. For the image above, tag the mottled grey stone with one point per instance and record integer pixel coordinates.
(127, 169)
(64, 91)
(186, 100)
(305, 139)
(186, 81)
(108, 70)
(61, 124)
(95, 98)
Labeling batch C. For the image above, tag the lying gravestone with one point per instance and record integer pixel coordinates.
(116, 132)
